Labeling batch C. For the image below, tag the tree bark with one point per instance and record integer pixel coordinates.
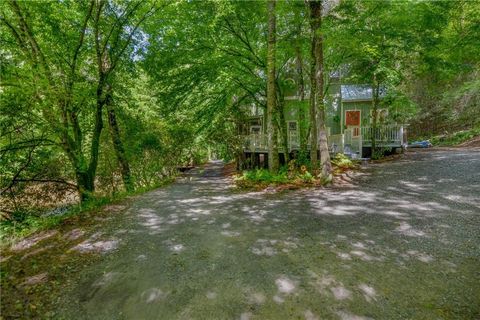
(313, 88)
(283, 130)
(302, 128)
(375, 94)
(282, 122)
(68, 130)
(316, 23)
(106, 64)
(118, 144)
(271, 91)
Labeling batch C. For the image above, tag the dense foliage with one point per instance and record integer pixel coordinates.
(104, 96)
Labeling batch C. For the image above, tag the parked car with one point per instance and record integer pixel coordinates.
(420, 144)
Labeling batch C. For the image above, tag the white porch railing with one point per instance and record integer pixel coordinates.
(259, 142)
(293, 140)
(384, 135)
(351, 141)
(255, 142)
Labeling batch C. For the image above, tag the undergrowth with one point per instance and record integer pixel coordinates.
(295, 174)
(24, 222)
(455, 138)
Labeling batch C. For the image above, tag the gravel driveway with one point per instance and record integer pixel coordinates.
(403, 243)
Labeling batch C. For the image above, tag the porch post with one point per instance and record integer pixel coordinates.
(341, 117)
(401, 135)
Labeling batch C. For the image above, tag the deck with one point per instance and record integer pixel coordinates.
(351, 141)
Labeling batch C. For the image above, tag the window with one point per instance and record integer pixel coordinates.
(255, 129)
(382, 115)
(292, 126)
(356, 132)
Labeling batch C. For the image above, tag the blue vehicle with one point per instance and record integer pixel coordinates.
(420, 144)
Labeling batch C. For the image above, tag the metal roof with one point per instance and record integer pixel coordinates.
(352, 92)
(355, 92)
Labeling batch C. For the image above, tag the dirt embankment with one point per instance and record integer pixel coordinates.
(472, 143)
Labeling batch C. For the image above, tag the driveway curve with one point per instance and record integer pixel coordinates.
(402, 243)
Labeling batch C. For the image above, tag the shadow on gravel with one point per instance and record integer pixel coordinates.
(402, 244)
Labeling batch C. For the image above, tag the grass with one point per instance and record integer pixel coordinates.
(456, 138)
(24, 223)
(260, 179)
(263, 175)
(293, 175)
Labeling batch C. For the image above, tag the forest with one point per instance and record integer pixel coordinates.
(101, 98)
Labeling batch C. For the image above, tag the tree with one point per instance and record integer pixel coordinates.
(375, 35)
(314, 7)
(271, 90)
(57, 44)
(113, 35)
(59, 92)
(299, 68)
(317, 104)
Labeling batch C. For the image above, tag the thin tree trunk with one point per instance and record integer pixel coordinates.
(84, 171)
(94, 148)
(316, 16)
(283, 129)
(375, 93)
(85, 185)
(118, 144)
(313, 88)
(282, 122)
(302, 128)
(271, 91)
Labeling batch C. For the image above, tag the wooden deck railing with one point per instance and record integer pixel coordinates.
(392, 134)
(352, 140)
(256, 142)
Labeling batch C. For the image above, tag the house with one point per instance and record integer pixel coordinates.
(348, 120)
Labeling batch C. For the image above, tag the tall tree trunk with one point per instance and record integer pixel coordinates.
(375, 93)
(117, 143)
(84, 180)
(95, 146)
(282, 122)
(85, 173)
(283, 129)
(316, 23)
(313, 89)
(302, 127)
(271, 91)
(104, 98)
(85, 184)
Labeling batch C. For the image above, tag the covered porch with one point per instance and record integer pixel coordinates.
(351, 142)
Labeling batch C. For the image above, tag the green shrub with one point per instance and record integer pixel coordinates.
(455, 138)
(264, 175)
(342, 161)
(306, 177)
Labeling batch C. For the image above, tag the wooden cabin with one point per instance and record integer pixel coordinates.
(349, 119)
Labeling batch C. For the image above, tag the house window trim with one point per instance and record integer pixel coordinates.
(256, 126)
(378, 113)
(296, 125)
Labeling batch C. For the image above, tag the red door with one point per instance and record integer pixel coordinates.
(352, 121)
(352, 118)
